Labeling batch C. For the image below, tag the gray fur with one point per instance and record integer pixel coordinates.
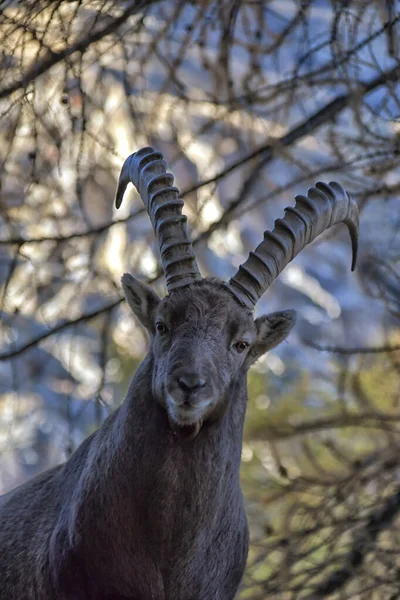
(149, 507)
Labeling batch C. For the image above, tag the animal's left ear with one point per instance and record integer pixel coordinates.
(271, 330)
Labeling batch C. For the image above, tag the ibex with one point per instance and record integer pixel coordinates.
(149, 507)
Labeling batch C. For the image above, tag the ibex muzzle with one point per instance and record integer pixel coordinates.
(142, 510)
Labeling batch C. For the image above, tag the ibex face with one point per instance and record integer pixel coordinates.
(202, 339)
(203, 334)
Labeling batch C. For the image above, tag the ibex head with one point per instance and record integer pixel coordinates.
(203, 334)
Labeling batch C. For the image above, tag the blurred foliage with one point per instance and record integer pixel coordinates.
(314, 478)
(250, 101)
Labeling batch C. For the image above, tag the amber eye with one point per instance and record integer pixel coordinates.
(161, 327)
(241, 346)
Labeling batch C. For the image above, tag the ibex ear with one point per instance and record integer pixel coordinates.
(271, 330)
(141, 298)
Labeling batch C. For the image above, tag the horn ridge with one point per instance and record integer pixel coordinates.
(324, 206)
(146, 169)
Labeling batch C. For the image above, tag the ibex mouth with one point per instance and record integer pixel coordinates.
(187, 413)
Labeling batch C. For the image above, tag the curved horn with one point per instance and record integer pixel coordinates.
(146, 169)
(324, 206)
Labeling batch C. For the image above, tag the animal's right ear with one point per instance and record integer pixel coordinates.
(141, 298)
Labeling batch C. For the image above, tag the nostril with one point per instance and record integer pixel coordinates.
(190, 383)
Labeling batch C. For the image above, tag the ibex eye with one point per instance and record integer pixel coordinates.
(161, 327)
(241, 346)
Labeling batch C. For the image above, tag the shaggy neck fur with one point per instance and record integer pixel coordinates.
(157, 500)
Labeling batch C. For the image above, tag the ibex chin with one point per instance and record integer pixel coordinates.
(149, 507)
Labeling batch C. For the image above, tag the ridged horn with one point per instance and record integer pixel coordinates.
(146, 169)
(324, 206)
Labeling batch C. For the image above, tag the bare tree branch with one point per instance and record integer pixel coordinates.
(378, 521)
(349, 351)
(81, 45)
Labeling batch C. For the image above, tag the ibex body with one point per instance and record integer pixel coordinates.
(149, 507)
